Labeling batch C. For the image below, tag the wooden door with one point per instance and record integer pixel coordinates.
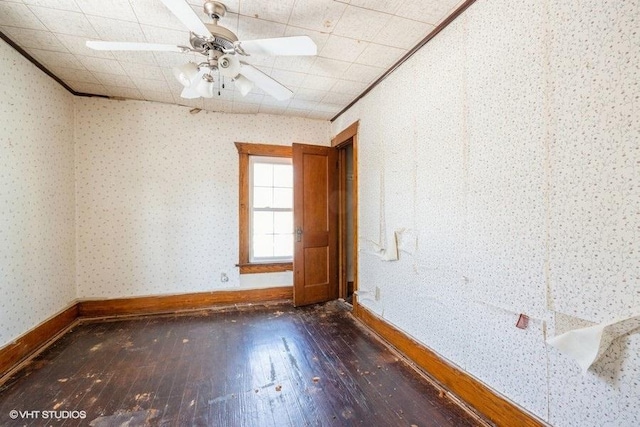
(315, 216)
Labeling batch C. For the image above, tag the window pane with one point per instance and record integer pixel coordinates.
(283, 245)
(262, 197)
(263, 174)
(263, 223)
(283, 222)
(283, 176)
(262, 245)
(283, 198)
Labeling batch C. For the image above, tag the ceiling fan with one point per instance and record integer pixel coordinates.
(222, 50)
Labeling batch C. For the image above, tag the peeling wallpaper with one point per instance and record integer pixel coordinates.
(512, 148)
(157, 195)
(37, 208)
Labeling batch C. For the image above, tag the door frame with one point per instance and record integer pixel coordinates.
(349, 136)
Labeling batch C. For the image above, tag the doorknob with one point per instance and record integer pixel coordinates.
(298, 234)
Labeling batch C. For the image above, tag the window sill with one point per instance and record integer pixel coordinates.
(265, 268)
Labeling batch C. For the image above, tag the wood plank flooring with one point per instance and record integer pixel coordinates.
(256, 366)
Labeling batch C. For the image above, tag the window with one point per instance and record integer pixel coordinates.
(266, 208)
(271, 209)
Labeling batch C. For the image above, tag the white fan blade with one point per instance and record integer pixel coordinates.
(264, 82)
(98, 45)
(280, 46)
(186, 15)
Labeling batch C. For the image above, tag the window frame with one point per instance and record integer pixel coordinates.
(245, 150)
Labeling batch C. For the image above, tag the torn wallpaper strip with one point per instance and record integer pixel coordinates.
(587, 345)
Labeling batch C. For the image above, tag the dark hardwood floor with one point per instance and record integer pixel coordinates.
(258, 366)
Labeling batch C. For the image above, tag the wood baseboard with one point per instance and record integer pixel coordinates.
(173, 303)
(22, 348)
(14, 353)
(487, 402)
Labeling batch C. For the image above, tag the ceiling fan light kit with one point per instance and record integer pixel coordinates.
(222, 51)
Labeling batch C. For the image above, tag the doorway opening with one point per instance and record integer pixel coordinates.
(347, 216)
(346, 144)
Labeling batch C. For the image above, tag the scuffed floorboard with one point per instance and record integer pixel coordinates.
(257, 366)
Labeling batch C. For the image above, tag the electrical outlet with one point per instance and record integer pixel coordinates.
(223, 277)
(377, 297)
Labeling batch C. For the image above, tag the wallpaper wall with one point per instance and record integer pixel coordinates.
(37, 209)
(157, 195)
(511, 147)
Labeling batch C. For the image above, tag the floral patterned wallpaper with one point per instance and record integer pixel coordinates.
(37, 209)
(510, 143)
(157, 194)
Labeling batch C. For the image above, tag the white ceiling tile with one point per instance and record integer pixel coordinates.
(260, 61)
(174, 84)
(151, 85)
(165, 97)
(252, 28)
(299, 64)
(318, 15)
(402, 33)
(250, 98)
(349, 87)
(271, 109)
(192, 103)
(343, 48)
(138, 57)
(309, 94)
(302, 104)
(65, 22)
(114, 79)
(174, 59)
(319, 115)
(38, 39)
(224, 94)
(388, 6)
(154, 13)
(75, 75)
(102, 65)
(337, 98)
(317, 82)
(245, 108)
(19, 15)
(215, 104)
(431, 12)
(329, 67)
(361, 24)
(363, 73)
(117, 30)
(143, 71)
(77, 45)
(116, 9)
(295, 112)
(84, 87)
(380, 56)
(320, 39)
(165, 36)
(124, 92)
(52, 59)
(269, 100)
(288, 78)
(55, 4)
(330, 108)
(277, 11)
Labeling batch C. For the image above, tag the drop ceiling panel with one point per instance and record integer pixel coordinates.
(357, 41)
